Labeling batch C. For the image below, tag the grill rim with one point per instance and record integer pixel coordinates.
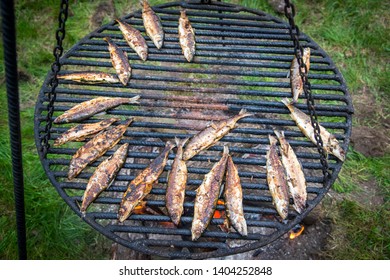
(141, 245)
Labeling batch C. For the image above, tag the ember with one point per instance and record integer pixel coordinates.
(296, 231)
(221, 214)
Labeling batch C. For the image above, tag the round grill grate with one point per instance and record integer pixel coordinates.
(242, 60)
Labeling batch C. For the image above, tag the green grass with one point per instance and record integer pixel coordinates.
(364, 234)
(355, 35)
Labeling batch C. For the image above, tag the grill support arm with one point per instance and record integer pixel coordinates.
(11, 75)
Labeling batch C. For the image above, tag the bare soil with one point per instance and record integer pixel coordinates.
(371, 135)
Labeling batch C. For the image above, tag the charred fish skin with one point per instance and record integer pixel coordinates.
(91, 107)
(233, 198)
(211, 135)
(177, 181)
(296, 180)
(207, 196)
(295, 77)
(81, 131)
(134, 195)
(141, 185)
(89, 77)
(103, 176)
(96, 147)
(186, 36)
(152, 24)
(120, 61)
(134, 39)
(331, 145)
(276, 179)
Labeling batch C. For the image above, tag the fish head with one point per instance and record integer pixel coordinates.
(335, 148)
(143, 55)
(241, 227)
(188, 55)
(306, 51)
(197, 229)
(158, 41)
(299, 204)
(175, 218)
(284, 212)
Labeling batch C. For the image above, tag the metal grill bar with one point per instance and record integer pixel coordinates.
(242, 60)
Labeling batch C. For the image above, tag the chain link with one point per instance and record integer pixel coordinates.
(289, 11)
(55, 68)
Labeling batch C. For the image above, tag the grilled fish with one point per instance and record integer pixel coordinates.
(177, 180)
(103, 176)
(295, 77)
(96, 147)
(277, 181)
(141, 185)
(134, 38)
(91, 107)
(186, 36)
(233, 198)
(152, 24)
(81, 131)
(295, 177)
(211, 135)
(90, 77)
(119, 61)
(331, 145)
(207, 196)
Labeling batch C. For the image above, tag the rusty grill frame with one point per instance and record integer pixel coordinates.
(221, 41)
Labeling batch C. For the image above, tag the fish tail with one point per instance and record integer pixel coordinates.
(170, 144)
(272, 139)
(107, 39)
(225, 150)
(128, 121)
(181, 143)
(279, 134)
(244, 113)
(287, 102)
(134, 99)
(120, 22)
(144, 3)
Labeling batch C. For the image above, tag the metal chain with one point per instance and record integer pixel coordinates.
(55, 68)
(289, 11)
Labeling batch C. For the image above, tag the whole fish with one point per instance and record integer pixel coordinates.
(81, 131)
(141, 185)
(96, 147)
(211, 135)
(134, 38)
(276, 179)
(295, 77)
(186, 36)
(233, 198)
(119, 61)
(90, 77)
(103, 176)
(177, 180)
(152, 24)
(91, 107)
(207, 196)
(295, 177)
(331, 145)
